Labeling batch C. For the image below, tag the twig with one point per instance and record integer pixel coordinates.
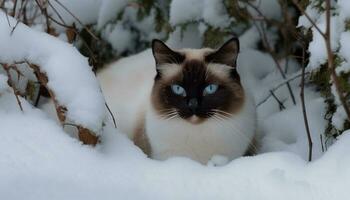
(280, 104)
(63, 23)
(10, 83)
(278, 86)
(321, 140)
(70, 124)
(21, 10)
(8, 20)
(51, 18)
(14, 9)
(78, 20)
(304, 108)
(110, 112)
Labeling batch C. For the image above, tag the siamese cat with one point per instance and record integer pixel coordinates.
(195, 105)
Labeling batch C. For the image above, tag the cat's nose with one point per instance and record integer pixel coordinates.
(193, 104)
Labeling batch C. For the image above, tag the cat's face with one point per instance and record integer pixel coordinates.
(195, 85)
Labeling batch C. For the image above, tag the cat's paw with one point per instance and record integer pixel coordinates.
(218, 160)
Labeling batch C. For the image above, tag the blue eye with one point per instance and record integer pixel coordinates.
(210, 89)
(178, 90)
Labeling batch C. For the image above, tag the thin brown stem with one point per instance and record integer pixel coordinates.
(77, 19)
(321, 140)
(110, 112)
(302, 98)
(10, 83)
(13, 14)
(280, 104)
(331, 65)
(279, 86)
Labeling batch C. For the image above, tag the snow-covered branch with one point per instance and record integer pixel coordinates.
(61, 68)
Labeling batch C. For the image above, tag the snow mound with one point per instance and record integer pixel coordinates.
(69, 74)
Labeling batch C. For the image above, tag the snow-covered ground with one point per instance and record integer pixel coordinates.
(38, 160)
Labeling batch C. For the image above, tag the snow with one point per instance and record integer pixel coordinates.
(182, 11)
(119, 37)
(317, 46)
(69, 73)
(269, 8)
(214, 13)
(3, 83)
(344, 52)
(211, 11)
(190, 38)
(108, 10)
(312, 12)
(344, 6)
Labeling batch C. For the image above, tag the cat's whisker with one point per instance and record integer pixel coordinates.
(172, 114)
(230, 115)
(223, 112)
(172, 117)
(169, 114)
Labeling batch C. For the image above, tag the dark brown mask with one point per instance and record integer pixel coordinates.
(195, 84)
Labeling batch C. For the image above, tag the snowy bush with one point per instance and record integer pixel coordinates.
(57, 66)
(329, 59)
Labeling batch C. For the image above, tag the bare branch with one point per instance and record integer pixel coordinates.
(309, 139)
(10, 83)
(77, 19)
(278, 86)
(280, 104)
(110, 112)
(321, 140)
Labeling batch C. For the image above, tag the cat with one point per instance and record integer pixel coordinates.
(195, 105)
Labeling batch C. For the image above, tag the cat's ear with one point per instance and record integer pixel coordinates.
(164, 55)
(226, 54)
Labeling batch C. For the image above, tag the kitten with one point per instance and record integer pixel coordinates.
(197, 106)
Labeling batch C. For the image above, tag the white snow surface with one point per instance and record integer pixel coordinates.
(70, 76)
(3, 83)
(211, 11)
(108, 10)
(269, 8)
(317, 46)
(344, 51)
(182, 11)
(119, 37)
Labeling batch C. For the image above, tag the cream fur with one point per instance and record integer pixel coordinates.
(176, 137)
